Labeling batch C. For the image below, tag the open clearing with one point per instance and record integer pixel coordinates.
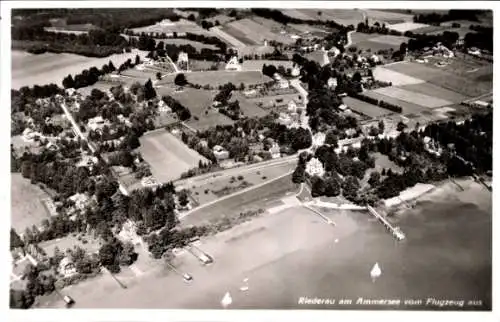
(390, 40)
(180, 26)
(365, 108)
(249, 30)
(253, 199)
(226, 35)
(168, 156)
(467, 85)
(383, 73)
(342, 16)
(407, 26)
(387, 17)
(216, 78)
(199, 102)
(69, 242)
(256, 65)
(407, 107)
(29, 69)
(247, 107)
(436, 91)
(27, 205)
(252, 177)
(412, 97)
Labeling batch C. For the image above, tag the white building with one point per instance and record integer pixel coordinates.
(233, 64)
(285, 119)
(292, 106)
(295, 71)
(163, 108)
(275, 151)
(67, 267)
(220, 153)
(318, 139)
(96, 123)
(149, 182)
(332, 83)
(315, 168)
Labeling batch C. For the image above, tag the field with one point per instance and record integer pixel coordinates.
(376, 42)
(408, 107)
(198, 101)
(412, 97)
(253, 32)
(27, 205)
(256, 65)
(203, 65)
(279, 100)
(167, 155)
(230, 38)
(387, 17)
(433, 90)
(456, 77)
(342, 16)
(365, 108)
(29, 69)
(177, 41)
(252, 177)
(170, 27)
(407, 26)
(248, 108)
(387, 74)
(69, 242)
(216, 78)
(254, 199)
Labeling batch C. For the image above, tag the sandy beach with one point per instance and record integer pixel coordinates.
(293, 253)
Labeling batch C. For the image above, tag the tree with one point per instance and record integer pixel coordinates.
(374, 179)
(191, 17)
(331, 138)
(317, 186)
(299, 174)
(158, 76)
(356, 77)
(381, 126)
(68, 82)
(332, 186)
(108, 255)
(149, 91)
(128, 254)
(401, 126)
(350, 187)
(19, 299)
(15, 239)
(180, 80)
(183, 198)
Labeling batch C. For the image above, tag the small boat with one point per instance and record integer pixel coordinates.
(226, 300)
(375, 272)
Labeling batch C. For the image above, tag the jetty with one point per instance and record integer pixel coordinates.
(395, 231)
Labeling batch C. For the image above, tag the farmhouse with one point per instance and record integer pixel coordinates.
(67, 267)
(332, 83)
(220, 153)
(233, 64)
(315, 168)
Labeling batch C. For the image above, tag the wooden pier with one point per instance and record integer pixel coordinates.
(395, 231)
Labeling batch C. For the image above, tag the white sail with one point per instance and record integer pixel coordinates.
(376, 271)
(226, 300)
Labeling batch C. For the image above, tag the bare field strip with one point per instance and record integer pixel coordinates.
(436, 91)
(390, 40)
(396, 78)
(229, 38)
(258, 32)
(413, 97)
(179, 26)
(416, 70)
(388, 17)
(365, 108)
(179, 41)
(29, 69)
(462, 85)
(167, 155)
(27, 208)
(216, 78)
(256, 65)
(239, 36)
(231, 207)
(342, 16)
(374, 47)
(407, 26)
(408, 108)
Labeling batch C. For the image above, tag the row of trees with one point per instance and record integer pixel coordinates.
(434, 18)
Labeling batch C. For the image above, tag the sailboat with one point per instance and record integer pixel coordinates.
(226, 300)
(375, 272)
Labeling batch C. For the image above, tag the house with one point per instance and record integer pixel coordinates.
(163, 108)
(29, 134)
(233, 64)
(67, 267)
(96, 123)
(315, 168)
(332, 83)
(318, 139)
(275, 151)
(81, 200)
(284, 119)
(149, 182)
(52, 147)
(220, 153)
(295, 71)
(342, 107)
(292, 106)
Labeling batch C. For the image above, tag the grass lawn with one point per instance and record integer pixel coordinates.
(216, 78)
(391, 40)
(413, 97)
(27, 203)
(407, 107)
(374, 46)
(436, 91)
(254, 199)
(256, 65)
(253, 177)
(69, 242)
(365, 108)
(239, 35)
(247, 107)
(167, 155)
